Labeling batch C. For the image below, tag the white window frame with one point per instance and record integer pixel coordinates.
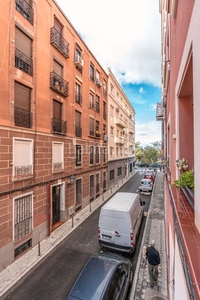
(22, 159)
(57, 158)
(79, 155)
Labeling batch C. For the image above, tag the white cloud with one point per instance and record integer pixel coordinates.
(123, 35)
(147, 133)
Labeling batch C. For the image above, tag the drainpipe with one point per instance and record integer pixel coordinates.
(48, 210)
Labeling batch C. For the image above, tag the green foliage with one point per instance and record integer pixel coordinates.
(148, 154)
(185, 179)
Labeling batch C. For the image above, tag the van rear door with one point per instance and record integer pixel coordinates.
(115, 230)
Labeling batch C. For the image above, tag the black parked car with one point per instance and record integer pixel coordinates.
(106, 276)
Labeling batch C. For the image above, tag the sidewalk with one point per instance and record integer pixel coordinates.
(154, 230)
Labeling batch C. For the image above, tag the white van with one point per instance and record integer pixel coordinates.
(119, 222)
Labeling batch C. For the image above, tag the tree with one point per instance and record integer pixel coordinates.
(148, 154)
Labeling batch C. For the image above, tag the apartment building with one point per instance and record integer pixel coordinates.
(53, 124)
(121, 132)
(179, 113)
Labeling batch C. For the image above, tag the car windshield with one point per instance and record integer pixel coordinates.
(145, 182)
(93, 279)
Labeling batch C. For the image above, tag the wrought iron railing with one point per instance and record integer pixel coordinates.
(91, 132)
(25, 10)
(97, 108)
(59, 42)
(78, 98)
(59, 126)
(22, 118)
(58, 84)
(104, 92)
(104, 115)
(78, 131)
(23, 62)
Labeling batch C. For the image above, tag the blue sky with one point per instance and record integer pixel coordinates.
(125, 36)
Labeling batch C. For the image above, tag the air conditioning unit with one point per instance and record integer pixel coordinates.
(98, 82)
(117, 109)
(71, 210)
(79, 61)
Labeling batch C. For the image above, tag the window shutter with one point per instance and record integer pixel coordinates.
(57, 110)
(23, 42)
(22, 97)
(57, 68)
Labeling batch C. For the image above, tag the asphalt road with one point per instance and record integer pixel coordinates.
(53, 277)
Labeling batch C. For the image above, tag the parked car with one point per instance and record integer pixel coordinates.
(105, 276)
(146, 186)
(149, 176)
(150, 171)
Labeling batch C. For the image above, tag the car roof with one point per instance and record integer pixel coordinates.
(94, 277)
(145, 180)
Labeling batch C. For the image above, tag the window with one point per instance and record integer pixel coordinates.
(78, 191)
(112, 175)
(104, 154)
(22, 216)
(91, 155)
(22, 110)
(58, 126)
(92, 105)
(91, 126)
(58, 68)
(104, 181)
(57, 156)
(78, 95)
(22, 157)
(111, 110)
(111, 131)
(104, 88)
(97, 185)
(78, 128)
(23, 52)
(112, 89)
(92, 72)
(104, 111)
(97, 104)
(97, 155)
(119, 171)
(78, 155)
(91, 185)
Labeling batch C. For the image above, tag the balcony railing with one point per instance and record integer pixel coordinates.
(104, 92)
(78, 98)
(97, 108)
(25, 10)
(58, 84)
(120, 122)
(59, 126)
(59, 42)
(104, 115)
(78, 131)
(22, 118)
(23, 62)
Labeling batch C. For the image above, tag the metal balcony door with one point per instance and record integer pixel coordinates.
(55, 204)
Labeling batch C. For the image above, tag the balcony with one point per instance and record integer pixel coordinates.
(120, 122)
(25, 10)
(59, 126)
(188, 235)
(97, 108)
(78, 131)
(104, 115)
(23, 118)
(104, 92)
(78, 98)
(131, 130)
(120, 140)
(98, 82)
(23, 62)
(58, 84)
(59, 42)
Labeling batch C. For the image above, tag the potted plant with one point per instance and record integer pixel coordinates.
(186, 179)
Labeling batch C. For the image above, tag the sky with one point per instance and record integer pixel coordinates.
(126, 37)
